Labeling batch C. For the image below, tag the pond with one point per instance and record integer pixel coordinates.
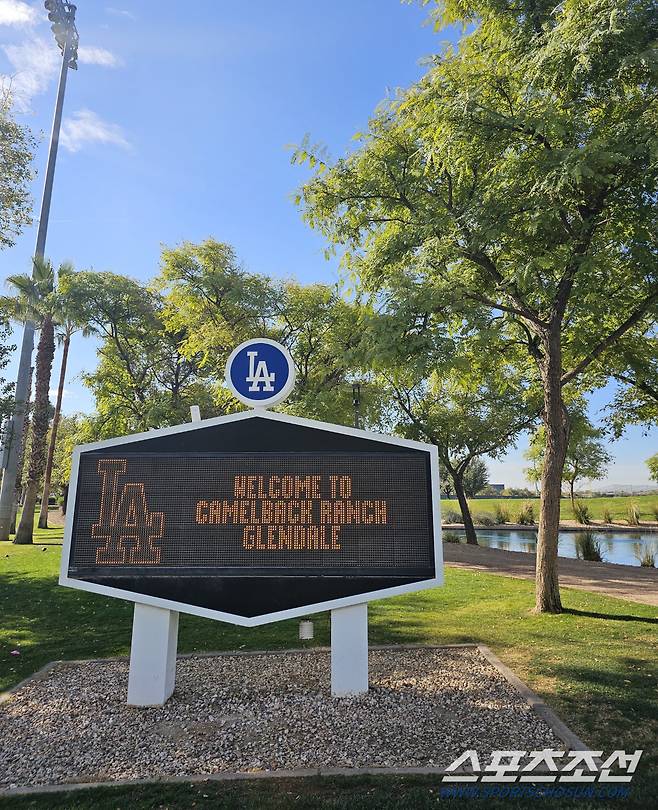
(617, 547)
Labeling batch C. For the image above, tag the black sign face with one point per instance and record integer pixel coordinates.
(249, 531)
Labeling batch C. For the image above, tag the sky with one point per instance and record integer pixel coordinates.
(179, 123)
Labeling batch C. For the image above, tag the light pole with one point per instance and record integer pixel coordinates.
(62, 17)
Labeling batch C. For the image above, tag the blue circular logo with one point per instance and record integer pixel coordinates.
(260, 372)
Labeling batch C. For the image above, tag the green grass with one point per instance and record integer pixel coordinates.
(618, 507)
(595, 664)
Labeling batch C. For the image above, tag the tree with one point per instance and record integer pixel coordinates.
(518, 175)
(35, 301)
(464, 423)
(586, 455)
(463, 390)
(67, 316)
(143, 379)
(652, 464)
(476, 478)
(208, 293)
(15, 174)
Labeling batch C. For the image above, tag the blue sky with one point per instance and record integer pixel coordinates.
(177, 126)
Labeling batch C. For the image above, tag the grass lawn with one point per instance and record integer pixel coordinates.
(596, 665)
(618, 506)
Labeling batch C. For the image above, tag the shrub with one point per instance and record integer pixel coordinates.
(526, 515)
(645, 555)
(484, 519)
(633, 515)
(588, 547)
(450, 516)
(581, 511)
(655, 512)
(502, 514)
(451, 537)
(607, 516)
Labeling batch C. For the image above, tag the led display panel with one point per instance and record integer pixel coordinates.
(333, 512)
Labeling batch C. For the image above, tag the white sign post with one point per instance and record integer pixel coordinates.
(349, 650)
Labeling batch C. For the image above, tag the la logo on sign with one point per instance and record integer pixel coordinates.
(260, 372)
(259, 375)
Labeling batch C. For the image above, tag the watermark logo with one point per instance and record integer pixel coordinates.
(548, 773)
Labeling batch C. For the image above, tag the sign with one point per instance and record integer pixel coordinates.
(253, 517)
(260, 372)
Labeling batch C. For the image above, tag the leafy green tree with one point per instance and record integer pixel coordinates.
(519, 175)
(586, 455)
(16, 155)
(476, 477)
(209, 294)
(143, 379)
(652, 464)
(465, 419)
(36, 301)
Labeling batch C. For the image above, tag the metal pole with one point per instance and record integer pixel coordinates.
(356, 401)
(15, 427)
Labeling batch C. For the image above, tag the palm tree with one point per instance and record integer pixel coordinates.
(35, 301)
(68, 320)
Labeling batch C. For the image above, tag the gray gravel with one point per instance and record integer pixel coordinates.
(263, 712)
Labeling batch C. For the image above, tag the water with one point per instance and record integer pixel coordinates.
(616, 547)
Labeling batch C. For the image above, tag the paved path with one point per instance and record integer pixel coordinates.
(623, 581)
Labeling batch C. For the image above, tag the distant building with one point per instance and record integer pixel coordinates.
(498, 488)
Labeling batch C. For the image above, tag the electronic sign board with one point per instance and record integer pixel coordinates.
(253, 517)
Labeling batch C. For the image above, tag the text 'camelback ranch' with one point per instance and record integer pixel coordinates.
(292, 512)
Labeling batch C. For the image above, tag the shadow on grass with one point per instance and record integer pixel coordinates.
(47, 622)
(618, 617)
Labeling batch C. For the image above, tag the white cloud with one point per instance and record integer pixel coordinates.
(35, 64)
(15, 12)
(53, 393)
(97, 56)
(86, 127)
(120, 12)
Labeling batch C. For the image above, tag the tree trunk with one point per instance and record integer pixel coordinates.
(18, 489)
(43, 514)
(471, 537)
(547, 588)
(573, 500)
(40, 420)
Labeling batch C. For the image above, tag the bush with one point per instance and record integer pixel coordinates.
(655, 512)
(451, 537)
(588, 547)
(633, 515)
(607, 516)
(582, 513)
(484, 519)
(645, 555)
(502, 514)
(526, 515)
(450, 516)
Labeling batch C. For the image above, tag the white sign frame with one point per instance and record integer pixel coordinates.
(255, 621)
(275, 398)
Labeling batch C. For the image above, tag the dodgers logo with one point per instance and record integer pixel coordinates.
(260, 372)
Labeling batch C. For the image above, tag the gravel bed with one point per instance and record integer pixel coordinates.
(261, 713)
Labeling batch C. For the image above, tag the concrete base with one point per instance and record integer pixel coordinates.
(349, 650)
(152, 676)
